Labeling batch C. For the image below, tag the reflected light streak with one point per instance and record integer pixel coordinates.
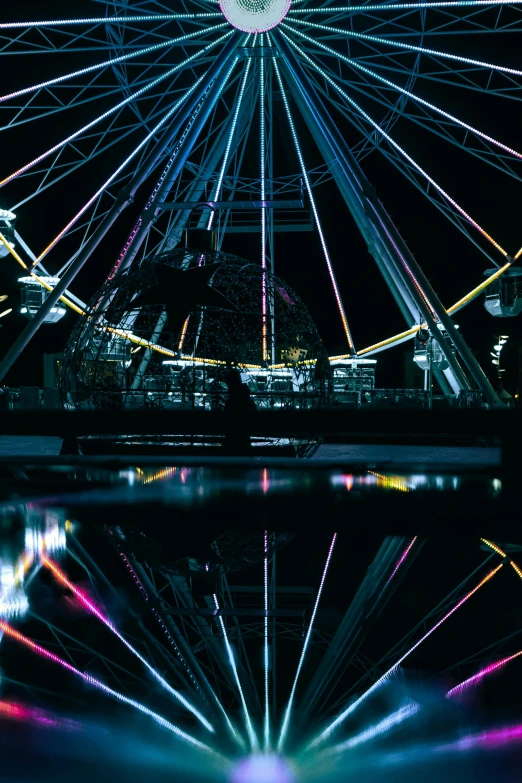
(90, 606)
(479, 676)
(395, 719)
(286, 719)
(37, 648)
(348, 711)
(250, 729)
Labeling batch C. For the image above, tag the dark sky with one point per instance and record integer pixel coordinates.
(451, 262)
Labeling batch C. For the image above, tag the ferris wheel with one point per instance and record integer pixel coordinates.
(169, 109)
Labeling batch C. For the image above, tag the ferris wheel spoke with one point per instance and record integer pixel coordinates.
(105, 64)
(308, 186)
(440, 129)
(81, 131)
(133, 154)
(420, 49)
(391, 141)
(107, 20)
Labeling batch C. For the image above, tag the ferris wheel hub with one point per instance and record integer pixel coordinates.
(254, 16)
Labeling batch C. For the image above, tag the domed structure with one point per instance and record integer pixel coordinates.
(168, 333)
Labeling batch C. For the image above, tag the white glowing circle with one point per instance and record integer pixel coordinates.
(254, 16)
(262, 768)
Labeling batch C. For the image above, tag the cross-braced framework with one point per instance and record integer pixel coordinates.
(173, 108)
(229, 655)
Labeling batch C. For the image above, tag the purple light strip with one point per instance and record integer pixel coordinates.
(479, 676)
(401, 560)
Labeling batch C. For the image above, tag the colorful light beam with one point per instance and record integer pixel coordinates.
(37, 648)
(91, 607)
(349, 710)
(479, 676)
(250, 729)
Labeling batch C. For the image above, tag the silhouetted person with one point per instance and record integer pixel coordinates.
(238, 406)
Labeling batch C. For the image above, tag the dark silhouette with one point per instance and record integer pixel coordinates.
(237, 408)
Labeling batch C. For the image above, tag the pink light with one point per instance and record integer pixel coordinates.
(458, 689)
(60, 575)
(266, 482)
(348, 482)
(14, 711)
(37, 648)
(402, 559)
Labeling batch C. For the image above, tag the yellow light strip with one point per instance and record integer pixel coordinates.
(453, 309)
(516, 568)
(494, 547)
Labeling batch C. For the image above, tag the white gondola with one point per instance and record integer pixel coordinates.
(33, 295)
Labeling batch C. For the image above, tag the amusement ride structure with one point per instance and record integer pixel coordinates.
(171, 120)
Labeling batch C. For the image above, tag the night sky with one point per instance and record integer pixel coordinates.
(453, 265)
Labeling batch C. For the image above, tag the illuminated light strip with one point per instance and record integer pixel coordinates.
(264, 325)
(453, 309)
(284, 727)
(108, 20)
(171, 161)
(265, 575)
(392, 482)
(373, 732)
(412, 95)
(402, 6)
(348, 711)
(409, 47)
(221, 176)
(38, 279)
(88, 604)
(402, 559)
(94, 122)
(108, 63)
(183, 333)
(314, 209)
(394, 143)
(458, 689)
(518, 254)
(138, 148)
(494, 547)
(37, 648)
(516, 568)
(250, 729)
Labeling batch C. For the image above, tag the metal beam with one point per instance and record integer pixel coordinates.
(125, 197)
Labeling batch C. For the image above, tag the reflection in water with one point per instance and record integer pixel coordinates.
(149, 676)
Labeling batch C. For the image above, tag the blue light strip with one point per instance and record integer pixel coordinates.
(409, 47)
(349, 9)
(250, 729)
(429, 105)
(217, 189)
(109, 63)
(109, 20)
